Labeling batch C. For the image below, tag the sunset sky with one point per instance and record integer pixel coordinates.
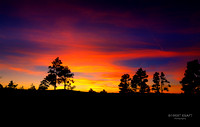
(100, 40)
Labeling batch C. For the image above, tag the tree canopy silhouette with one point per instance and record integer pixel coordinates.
(140, 79)
(43, 85)
(64, 76)
(138, 82)
(32, 87)
(11, 85)
(124, 85)
(59, 74)
(156, 80)
(1, 86)
(191, 80)
(159, 81)
(91, 91)
(103, 91)
(163, 81)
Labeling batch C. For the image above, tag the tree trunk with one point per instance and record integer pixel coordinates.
(161, 87)
(64, 84)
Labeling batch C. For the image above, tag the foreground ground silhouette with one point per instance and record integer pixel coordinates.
(24, 92)
(141, 106)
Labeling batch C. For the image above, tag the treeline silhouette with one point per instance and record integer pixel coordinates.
(58, 74)
(138, 83)
(191, 80)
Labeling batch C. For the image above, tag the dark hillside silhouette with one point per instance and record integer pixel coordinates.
(191, 80)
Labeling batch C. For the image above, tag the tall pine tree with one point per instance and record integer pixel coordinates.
(191, 80)
(163, 81)
(124, 85)
(59, 74)
(156, 80)
(140, 80)
(159, 83)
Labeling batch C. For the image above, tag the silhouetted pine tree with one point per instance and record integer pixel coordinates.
(124, 85)
(43, 85)
(163, 81)
(156, 80)
(11, 85)
(191, 80)
(64, 76)
(59, 74)
(103, 91)
(140, 79)
(92, 91)
(134, 83)
(159, 82)
(51, 79)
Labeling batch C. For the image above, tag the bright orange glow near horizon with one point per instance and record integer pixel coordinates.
(98, 75)
(98, 41)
